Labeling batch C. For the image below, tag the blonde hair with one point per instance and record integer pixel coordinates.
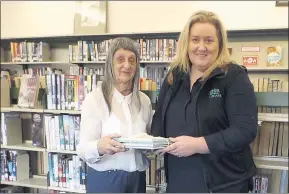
(182, 60)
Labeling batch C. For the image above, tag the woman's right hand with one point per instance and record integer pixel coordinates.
(106, 145)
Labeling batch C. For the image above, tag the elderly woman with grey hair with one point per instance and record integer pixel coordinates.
(115, 109)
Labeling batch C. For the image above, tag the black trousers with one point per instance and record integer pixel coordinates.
(115, 181)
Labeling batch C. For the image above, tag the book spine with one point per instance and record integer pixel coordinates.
(67, 175)
(76, 125)
(60, 170)
(2, 165)
(63, 171)
(70, 55)
(96, 51)
(10, 165)
(6, 171)
(61, 133)
(81, 91)
(14, 165)
(62, 81)
(54, 98)
(75, 93)
(66, 130)
(50, 169)
(3, 128)
(70, 166)
(80, 50)
(58, 96)
(57, 132)
(83, 174)
(37, 130)
(71, 133)
(55, 169)
(148, 47)
(53, 133)
(77, 168)
(49, 91)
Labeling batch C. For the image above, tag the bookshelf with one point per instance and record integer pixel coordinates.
(59, 59)
(35, 63)
(27, 146)
(276, 163)
(29, 110)
(250, 69)
(38, 182)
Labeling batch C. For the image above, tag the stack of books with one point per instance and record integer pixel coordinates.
(144, 143)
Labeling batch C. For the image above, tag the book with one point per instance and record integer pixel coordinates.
(28, 92)
(274, 56)
(144, 142)
(37, 130)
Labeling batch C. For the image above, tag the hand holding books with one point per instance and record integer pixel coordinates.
(107, 145)
(184, 146)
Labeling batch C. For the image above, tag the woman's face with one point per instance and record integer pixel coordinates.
(124, 62)
(203, 45)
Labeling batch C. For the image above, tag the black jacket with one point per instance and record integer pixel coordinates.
(227, 118)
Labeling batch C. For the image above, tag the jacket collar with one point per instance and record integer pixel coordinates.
(218, 72)
(179, 76)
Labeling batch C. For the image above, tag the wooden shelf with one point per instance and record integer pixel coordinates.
(17, 109)
(37, 182)
(35, 63)
(88, 62)
(250, 69)
(271, 162)
(150, 189)
(62, 151)
(67, 189)
(267, 69)
(277, 117)
(103, 62)
(71, 112)
(156, 62)
(23, 146)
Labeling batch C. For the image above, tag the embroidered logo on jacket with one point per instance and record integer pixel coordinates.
(215, 93)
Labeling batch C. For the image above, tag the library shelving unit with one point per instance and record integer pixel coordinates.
(156, 49)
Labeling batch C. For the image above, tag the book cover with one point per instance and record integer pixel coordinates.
(274, 56)
(28, 92)
(37, 130)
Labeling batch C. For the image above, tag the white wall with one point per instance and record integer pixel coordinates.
(40, 18)
(36, 18)
(138, 16)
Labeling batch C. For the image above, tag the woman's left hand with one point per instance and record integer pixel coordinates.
(184, 146)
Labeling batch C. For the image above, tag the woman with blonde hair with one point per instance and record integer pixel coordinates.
(207, 108)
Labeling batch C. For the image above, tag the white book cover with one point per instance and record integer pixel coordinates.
(47, 132)
(49, 91)
(57, 131)
(53, 135)
(70, 164)
(71, 133)
(55, 169)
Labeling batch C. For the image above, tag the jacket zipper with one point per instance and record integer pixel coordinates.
(198, 132)
(203, 166)
(164, 110)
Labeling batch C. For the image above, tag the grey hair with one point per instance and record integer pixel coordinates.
(109, 74)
